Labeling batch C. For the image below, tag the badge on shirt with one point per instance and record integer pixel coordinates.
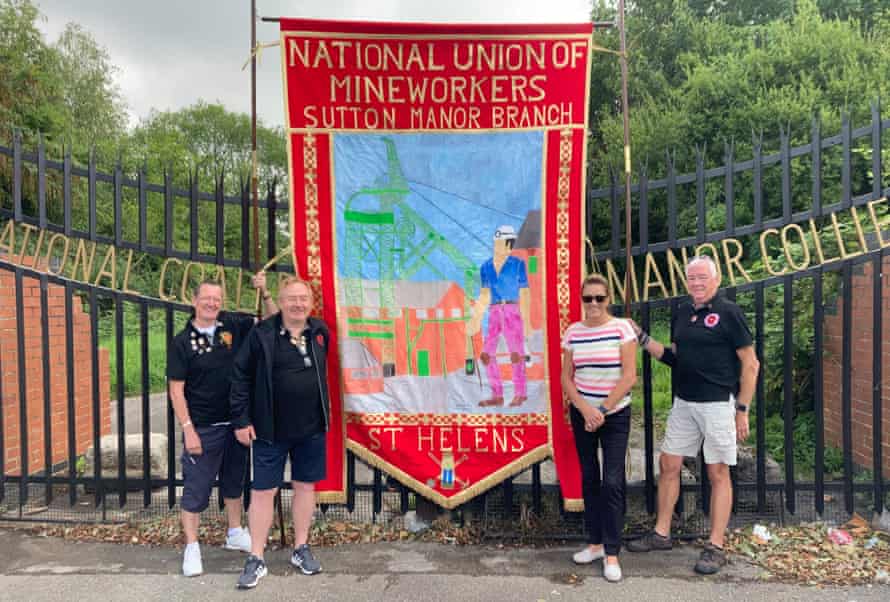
(711, 320)
(200, 343)
(320, 339)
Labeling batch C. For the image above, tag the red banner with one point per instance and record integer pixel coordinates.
(437, 176)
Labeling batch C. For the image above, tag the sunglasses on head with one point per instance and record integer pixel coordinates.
(590, 298)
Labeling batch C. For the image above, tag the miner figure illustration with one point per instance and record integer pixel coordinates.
(448, 470)
(505, 295)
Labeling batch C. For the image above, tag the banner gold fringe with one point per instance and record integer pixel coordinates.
(331, 497)
(573, 505)
(526, 461)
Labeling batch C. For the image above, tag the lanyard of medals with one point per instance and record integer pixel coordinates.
(301, 343)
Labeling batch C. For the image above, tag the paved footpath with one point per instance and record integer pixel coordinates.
(42, 568)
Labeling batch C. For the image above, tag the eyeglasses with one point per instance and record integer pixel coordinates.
(589, 298)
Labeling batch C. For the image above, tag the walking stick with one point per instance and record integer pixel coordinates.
(280, 510)
(256, 200)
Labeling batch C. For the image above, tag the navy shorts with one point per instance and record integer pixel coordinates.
(221, 455)
(307, 461)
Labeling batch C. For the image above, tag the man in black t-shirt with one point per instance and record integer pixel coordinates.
(280, 406)
(715, 372)
(199, 367)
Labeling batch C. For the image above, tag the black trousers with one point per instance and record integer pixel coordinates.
(604, 497)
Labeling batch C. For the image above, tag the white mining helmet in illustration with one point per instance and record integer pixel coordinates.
(505, 233)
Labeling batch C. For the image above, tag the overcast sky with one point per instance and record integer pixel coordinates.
(172, 53)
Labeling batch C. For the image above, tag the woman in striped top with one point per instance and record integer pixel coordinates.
(598, 372)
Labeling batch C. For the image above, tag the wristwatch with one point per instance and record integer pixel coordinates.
(602, 409)
(740, 407)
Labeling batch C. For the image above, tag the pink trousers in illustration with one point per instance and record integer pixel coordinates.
(505, 319)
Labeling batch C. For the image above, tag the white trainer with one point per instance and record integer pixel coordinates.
(191, 560)
(240, 541)
(612, 572)
(586, 556)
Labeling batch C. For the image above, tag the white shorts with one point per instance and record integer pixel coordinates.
(691, 423)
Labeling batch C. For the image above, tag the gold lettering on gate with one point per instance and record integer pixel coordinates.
(801, 247)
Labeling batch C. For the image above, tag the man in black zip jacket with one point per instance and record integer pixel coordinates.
(280, 404)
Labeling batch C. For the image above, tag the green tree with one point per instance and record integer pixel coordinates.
(208, 142)
(742, 12)
(64, 90)
(30, 86)
(90, 99)
(700, 81)
(866, 12)
(207, 139)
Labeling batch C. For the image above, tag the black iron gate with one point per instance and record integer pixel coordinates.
(52, 319)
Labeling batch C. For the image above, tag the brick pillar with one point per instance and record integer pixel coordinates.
(34, 394)
(861, 369)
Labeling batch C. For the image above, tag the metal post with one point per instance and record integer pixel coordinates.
(626, 114)
(254, 188)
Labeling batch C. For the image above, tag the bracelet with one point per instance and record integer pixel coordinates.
(643, 338)
(186, 424)
(603, 410)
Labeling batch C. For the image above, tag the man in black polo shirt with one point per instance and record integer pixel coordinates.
(199, 367)
(280, 405)
(715, 372)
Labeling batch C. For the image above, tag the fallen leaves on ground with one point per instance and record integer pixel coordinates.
(801, 554)
(167, 531)
(804, 554)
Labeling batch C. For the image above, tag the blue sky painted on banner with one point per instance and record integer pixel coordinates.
(464, 185)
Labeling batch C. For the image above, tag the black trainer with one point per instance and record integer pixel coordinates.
(254, 570)
(650, 541)
(711, 560)
(303, 559)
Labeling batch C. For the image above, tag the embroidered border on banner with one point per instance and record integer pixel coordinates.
(310, 188)
(445, 420)
(563, 287)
